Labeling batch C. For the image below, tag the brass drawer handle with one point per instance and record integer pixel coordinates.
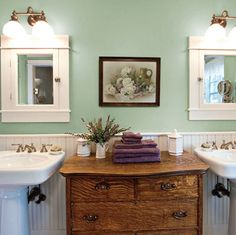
(90, 218)
(168, 187)
(179, 214)
(102, 186)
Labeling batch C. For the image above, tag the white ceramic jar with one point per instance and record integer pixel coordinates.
(101, 150)
(175, 144)
(83, 147)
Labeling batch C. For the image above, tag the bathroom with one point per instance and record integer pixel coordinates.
(109, 28)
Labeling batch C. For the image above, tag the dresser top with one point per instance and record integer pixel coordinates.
(169, 165)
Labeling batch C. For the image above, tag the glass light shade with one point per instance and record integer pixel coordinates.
(215, 32)
(42, 29)
(13, 29)
(232, 34)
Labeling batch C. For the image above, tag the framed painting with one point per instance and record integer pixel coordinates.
(129, 81)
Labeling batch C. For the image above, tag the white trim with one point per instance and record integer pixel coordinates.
(31, 42)
(36, 116)
(200, 43)
(142, 133)
(34, 135)
(198, 110)
(212, 114)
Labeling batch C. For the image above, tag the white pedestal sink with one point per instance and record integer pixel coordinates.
(223, 163)
(17, 172)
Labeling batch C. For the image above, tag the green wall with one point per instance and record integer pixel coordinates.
(149, 28)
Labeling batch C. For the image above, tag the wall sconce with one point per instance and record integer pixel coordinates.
(217, 30)
(35, 19)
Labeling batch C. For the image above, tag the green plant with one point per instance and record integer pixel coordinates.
(100, 133)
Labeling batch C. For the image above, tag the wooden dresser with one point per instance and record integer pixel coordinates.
(126, 199)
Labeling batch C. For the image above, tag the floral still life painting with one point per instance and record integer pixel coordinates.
(128, 81)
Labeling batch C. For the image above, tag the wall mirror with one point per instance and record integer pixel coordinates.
(219, 79)
(212, 80)
(35, 79)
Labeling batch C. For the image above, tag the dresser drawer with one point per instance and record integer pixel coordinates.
(101, 189)
(170, 232)
(99, 216)
(128, 216)
(167, 187)
(168, 215)
(104, 233)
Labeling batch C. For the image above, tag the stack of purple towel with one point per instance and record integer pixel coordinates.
(132, 149)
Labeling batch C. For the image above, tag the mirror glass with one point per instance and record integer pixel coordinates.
(219, 79)
(35, 79)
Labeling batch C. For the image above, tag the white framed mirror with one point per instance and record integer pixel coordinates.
(212, 79)
(35, 79)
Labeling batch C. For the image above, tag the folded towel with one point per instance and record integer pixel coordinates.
(136, 151)
(137, 159)
(143, 144)
(131, 141)
(129, 134)
(134, 155)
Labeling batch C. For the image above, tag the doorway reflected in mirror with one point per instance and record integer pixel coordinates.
(35, 79)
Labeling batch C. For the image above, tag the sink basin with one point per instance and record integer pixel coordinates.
(221, 162)
(27, 168)
(17, 172)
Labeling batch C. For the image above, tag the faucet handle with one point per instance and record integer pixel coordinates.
(20, 148)
(223, 144)
(32, 147)
(44, 148)
(214, 146)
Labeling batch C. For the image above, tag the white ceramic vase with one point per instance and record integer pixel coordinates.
(100, 150)
(83, 147)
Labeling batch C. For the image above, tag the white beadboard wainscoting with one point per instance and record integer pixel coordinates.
(49, 217)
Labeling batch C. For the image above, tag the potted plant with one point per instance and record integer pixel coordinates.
(100, 133)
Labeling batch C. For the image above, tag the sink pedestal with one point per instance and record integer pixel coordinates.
(14, 214)
(232, 208)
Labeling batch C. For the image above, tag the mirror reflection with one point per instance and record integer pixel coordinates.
(35, 79)
(219, 79)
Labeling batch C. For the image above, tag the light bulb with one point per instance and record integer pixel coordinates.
(42, 29)
(232, 34)
(215, 32)
(13, 29)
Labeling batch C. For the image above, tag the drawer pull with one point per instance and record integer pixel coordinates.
(90, 218)
(102, 186)
(179, 214)
(168, 187)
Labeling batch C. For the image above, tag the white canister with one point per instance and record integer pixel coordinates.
(100, 150)
(83, 147)
(175, 144)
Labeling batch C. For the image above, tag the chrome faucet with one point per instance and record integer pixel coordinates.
(29, 148)
(20, 148)
(214, 146)
(32, 147)
(225, 145)
(208, 145)
(44, 148)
